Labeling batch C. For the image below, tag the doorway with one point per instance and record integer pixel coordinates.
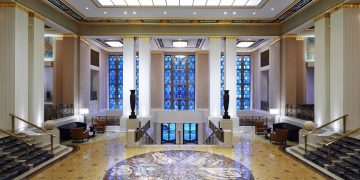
(168, 133)
(190, 133)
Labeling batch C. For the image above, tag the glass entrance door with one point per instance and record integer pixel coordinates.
(168, 133)
(190, 133)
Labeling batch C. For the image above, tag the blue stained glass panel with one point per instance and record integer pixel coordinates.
(120, 62)
(247, 62)
(238, 76)
(247, 91)
(167, 105)
(247, 76)
(247, 104)
(120, 104)
(238, 91)
(168, 76)
(191, 105)
(112, 62)
(120, 91)
(176, 62)
(238, 62)
(112, 91)
(238, 104)
(137, 82)
(191, 62)
(120, 78)
(191, 76)
(112, 104)
(182, 76)
(243, 81)
(182, 92)
(182, 63)
(176, 77)
(112, 76)
(222, 81)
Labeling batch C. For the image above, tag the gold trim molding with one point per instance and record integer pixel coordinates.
(322, 16)
(37, 16)
(59, 38)
(214, 37)
(231, 37)
(288, 36)
(300, 39)
(84, 40)
(144, 37)
(70, 35)
(13, 5)
(129, 37)
(344, 6)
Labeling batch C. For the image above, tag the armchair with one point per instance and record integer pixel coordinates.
(100, 126)
(78, 134)
(279, 136)
(260, 127)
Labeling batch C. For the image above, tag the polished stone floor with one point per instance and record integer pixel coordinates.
(104, 153)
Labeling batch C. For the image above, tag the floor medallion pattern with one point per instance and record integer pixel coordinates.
(178, 164)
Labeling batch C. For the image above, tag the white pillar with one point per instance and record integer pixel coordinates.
(322, 70)
(344, 65)
(128, 73)
(214, 71)
(230, 72)
(36, 69)
(144, 76)
(14, 64)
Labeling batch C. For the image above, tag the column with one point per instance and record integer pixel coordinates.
(128, 73)
(322, 70)
(144, 76)
(214, 72)
(36, 69)
(14, 63)
(344, 65)
(230, 72)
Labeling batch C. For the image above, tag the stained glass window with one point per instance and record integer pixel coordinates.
(222, 81)
(179, 82)
(243, 83)
(115, 82)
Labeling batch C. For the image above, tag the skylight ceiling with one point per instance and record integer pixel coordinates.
(183, 3)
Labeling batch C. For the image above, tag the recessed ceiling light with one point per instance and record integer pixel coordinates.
(87, 8)
(105, 12)
(225, 13)
(165, 12)
(244, 44)
(234, 13)
(106, 2)
(125, 12)
(134, 12)
(194, 12)
(114, 43)
(272, 9)
(254, 13)
(180, 43)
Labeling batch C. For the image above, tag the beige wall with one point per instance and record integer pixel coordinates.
(202, 80)
(157, 80)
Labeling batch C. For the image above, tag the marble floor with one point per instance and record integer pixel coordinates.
(95, 157)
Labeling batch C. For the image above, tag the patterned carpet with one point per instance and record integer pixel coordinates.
(179, 165)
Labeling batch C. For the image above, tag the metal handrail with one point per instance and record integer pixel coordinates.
(14, 117)
(218, 132)
(338, 139)
(326, 124)
(210, 138)
(18, 138)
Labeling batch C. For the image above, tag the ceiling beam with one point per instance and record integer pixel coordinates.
(88, 29)
(45, 10)
(314, 10)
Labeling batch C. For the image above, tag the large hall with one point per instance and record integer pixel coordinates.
(179, 89)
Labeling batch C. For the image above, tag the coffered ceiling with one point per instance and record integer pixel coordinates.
(180, 11)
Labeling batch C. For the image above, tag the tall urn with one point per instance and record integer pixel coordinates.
(226, 104)
(132, 104)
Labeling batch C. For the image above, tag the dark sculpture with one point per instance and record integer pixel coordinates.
(132, 104)
(226, 104)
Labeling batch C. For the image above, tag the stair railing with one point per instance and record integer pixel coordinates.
(335, 120)
(338, 139)
(210, 139)
(14, 117)
(18, 138)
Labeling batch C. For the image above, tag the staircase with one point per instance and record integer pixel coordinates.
(345, 156)
(13, 155)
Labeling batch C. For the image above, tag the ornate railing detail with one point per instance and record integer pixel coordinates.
(140, 133)
(302, 111)
(264, 105)
(218, 132)
(55, 112)
(249, 120)
(109, 120)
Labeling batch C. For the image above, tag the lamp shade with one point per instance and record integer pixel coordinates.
(274, 111)
(84, 111)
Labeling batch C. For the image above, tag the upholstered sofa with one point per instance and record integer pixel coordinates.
(293, 131)
(65, 129)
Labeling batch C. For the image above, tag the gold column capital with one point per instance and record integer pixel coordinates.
(84, 40)
(37, 16)
(13, 5)
(214, 37)
(275, 41)
(70, 35)
(129, 37)
(322, 16)
(144, 37)
(288, 36)
(231, 37)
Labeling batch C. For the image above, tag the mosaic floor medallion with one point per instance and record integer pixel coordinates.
(178, 164)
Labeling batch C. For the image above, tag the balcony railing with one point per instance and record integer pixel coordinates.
(301, 111)
(55, 112)
(142, 133)
(250, 120)
(109, 120)
(219, 133)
